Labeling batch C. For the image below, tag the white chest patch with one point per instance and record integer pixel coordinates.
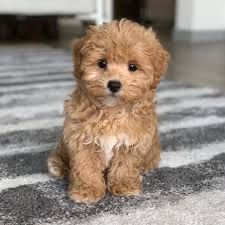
(111, 143)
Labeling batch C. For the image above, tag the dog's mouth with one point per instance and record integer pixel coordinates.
(114, 94)
(111, 100)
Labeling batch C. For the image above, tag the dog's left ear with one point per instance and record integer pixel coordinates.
(160, 63)
(159, 58)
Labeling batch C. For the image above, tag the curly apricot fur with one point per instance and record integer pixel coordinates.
(118, 132)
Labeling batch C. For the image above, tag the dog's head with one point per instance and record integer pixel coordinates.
(119, 61)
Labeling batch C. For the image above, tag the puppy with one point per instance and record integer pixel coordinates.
(110, 137)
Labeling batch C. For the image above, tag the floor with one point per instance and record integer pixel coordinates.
(187, 188)
(200, 64)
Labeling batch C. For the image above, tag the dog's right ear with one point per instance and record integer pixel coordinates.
(77, 46)
(76, 51)
(80, 48)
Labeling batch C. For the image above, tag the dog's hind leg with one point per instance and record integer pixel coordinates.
(58, 164)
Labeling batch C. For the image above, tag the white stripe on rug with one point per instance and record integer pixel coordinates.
(180, 93)
(28, 111)
(7, 183)
(24, 74)
(202, 103)
(46, 95)
(191, 156)
(12, 68)
(40, 86)
(43, 62)
(6, 97)
(32, 125)
(37, 78)
(14, 150)
(191, 122)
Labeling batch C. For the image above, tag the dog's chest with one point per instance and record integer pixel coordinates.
(111, 143)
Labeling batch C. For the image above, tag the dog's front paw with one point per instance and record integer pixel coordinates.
(123, 188)
(86, 195)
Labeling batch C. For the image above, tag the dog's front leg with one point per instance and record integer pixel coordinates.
(124, 177)
(86, 181)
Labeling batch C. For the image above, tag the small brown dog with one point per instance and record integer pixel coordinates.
(110, 120)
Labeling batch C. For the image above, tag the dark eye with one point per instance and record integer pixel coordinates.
(132, 67)
(102, 64)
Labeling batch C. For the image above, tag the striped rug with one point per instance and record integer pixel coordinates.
(187, 189)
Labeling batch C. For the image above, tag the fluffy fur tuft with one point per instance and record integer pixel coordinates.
(110, 139)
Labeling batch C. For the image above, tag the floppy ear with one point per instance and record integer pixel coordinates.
(76, 51)
(80, 47)
(160, 64)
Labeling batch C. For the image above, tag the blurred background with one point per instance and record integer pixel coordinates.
(193, 31)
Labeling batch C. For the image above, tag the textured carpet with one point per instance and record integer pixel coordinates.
(187, 189)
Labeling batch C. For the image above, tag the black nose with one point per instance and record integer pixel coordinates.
(114, 85)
